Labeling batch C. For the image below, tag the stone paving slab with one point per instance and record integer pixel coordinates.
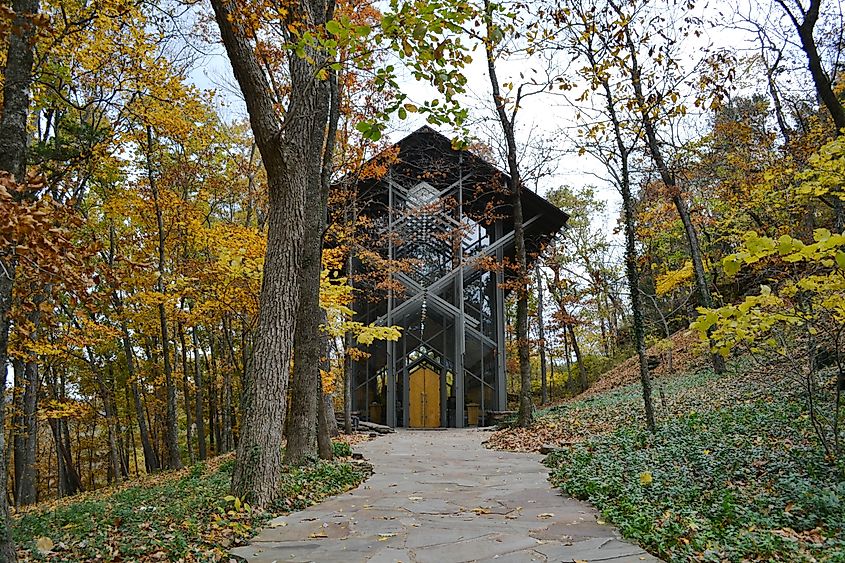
(442, 497)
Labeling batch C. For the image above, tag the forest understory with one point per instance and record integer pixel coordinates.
(733, 471)
(175, 516)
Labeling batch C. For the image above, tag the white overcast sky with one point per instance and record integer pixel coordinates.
(547, 116)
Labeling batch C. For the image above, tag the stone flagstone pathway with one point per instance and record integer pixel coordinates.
(442, 497)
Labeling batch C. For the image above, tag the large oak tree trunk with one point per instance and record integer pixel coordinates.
(287, 151)
(302, 423)
(17, 77)
(306, 395)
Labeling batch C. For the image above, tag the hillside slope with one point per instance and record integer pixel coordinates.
(734, 471)
(688, 355)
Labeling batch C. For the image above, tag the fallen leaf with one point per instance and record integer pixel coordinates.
(318, 535)
(545, 515)
(385, 537)
(481, 510)
(44, 545)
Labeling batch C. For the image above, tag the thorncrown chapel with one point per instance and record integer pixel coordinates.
(442, 221)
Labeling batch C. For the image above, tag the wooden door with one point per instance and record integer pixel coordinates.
(424, 399)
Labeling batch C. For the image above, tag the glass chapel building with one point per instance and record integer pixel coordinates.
(443, 218)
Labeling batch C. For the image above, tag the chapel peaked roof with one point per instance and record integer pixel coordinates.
(427, 152)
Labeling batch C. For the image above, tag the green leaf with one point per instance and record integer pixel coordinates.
(731, 264)
(785, 245)
(333, 27)
(821, 235)
(419, 32)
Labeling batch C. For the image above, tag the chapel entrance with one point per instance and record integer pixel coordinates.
(424, 398)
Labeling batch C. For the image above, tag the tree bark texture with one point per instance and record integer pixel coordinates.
(306, 393)
(17, 78)
(171, 428)
(198, 383)
(287, 151)
(544, 389)
(525, 415)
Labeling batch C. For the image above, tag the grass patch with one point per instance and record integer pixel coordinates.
(186, 515)
(732, 473)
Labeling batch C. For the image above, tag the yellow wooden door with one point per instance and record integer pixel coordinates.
(424, 399)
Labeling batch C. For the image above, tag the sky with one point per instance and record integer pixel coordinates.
(543, 116)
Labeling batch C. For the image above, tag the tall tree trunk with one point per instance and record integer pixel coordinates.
(26, 441)
(308, 341)
(824, 88)
(631, 273)
(348, 370)
(198, 383)
(17, 77)
(583, 383)
(822, 82)
(771, 70)
(302, 421)
(570, 387)
(27, 447)
(349, 338)
(325, 411)
(213, 410)
(324, 427)
(287, 151)
(68, 479)
(151, 463)
(668, 178)
(112, 422)
(186, 395)
(328, 404)
(130, 434)
(171, 428)
(544, 391)
(525, 416)
(17, 437)
(226, 419)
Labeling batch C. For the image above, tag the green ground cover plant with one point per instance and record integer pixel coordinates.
(734, 471)
(185, 515)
